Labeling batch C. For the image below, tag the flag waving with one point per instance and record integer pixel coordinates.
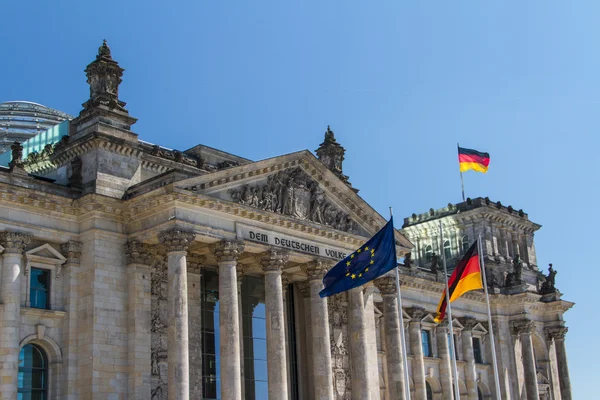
(473, 159)
(371, 260)
(466, 277)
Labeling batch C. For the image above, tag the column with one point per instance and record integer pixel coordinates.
(307, 382)
(241, 270)
(273, 262)
(524, 329)
(371, 338)
(227, 252)
(358, 345)
(139, 257)
(393, 343)
(418, 364)
(467, 342)
(14, 244)
(195, 267)
(442, 333)
(321, 347)
(176, 242)
(558, 335)
(72, 251)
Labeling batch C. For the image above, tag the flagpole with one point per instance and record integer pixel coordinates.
(462, 182)
(449, 307)
(489, 313)
(402, 334)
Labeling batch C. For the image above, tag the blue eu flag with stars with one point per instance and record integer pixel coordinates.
(369, 261)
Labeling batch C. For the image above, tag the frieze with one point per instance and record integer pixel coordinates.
(293, 193)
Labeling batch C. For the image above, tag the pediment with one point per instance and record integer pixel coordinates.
(297, 186)
(46, 254)
(456, 325)
(428, 320)
(480, 329)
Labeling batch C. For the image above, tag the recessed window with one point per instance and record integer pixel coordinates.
(426, 343)
(33, 373)
(39, 293)
(447, 250)
(465, 244)
(428, 254)
(477, 350)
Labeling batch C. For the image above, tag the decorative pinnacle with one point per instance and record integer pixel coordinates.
(104, 50)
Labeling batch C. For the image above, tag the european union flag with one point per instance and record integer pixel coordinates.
(371, 260)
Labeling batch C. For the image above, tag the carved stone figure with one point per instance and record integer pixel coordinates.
(408, 260)
(331, 153)
(340, 357)
(515, 277)
(104, 77)
(548, 286)
(17, 156)
(434, 263)
(292, 192)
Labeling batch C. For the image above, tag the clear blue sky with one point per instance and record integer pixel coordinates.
(400, 82)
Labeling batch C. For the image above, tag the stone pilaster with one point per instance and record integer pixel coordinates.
(139, 258)
(177, 241)
(273, 262)
(524, 329)
(195, 265)
(558, 335)
(308, 385)
(72, 251)
(467, 344)
(371, 339)
(358, 345)
(418, 362)
(227, 252)
(14, 244)
(442, 333)
(321, 347)
(393, 339)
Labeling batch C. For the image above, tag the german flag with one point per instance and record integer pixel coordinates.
(466, 277)
(473, 159)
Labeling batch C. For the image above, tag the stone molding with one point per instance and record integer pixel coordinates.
(139, 253)
(557, 332)
(523, 326)
(386, 285)
(468, 323)
(14, 242)
(416, 313)
(273, 260)
(315, 270)
(227, 250)
(176, 239)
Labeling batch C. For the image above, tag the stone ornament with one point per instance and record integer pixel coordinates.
(315, 270)
(72, 251)
(227, 250)
(195, 262)
(548, 286)
(14, 242)
(176, 239)
(331, 153)
(386, 285)
(557, 332)
(17, 156)
(468, 323)
(104, 77)
(416, 314)
(292, 192)
(274, 260)
(139, 253)
(524, 326)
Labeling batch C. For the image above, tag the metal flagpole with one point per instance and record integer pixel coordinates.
(487, 299)
(462, 182)
(452, 350)
(402, 335)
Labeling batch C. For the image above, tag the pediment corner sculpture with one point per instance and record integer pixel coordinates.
(291, 192)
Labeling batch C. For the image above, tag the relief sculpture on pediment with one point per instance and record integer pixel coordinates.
(292, 192)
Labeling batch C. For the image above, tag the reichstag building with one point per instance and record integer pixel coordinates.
(133, 271)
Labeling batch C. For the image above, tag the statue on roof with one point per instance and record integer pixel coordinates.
(548, 286)
(104, 77)
(516, 277)
(331, 153)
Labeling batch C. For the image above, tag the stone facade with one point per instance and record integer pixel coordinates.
(154, 255)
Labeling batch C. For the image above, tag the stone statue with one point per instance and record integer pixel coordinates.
(104, 77)
(548, 286)
(408, 260)
(434, 263)
(331, 153)
(516, 277)
(17, 156)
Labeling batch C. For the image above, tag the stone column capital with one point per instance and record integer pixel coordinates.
(315, 270)
(14, 242)
(176, 239)
(416, 313)
(139, 253)
(72, 251)
(468, 323)
(523, 326)
(386, 285)
(227, 250)
(557, 332)
(273, 260)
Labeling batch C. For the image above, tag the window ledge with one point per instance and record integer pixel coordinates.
(39, 312)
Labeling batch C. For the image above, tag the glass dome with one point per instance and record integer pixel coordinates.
(21, 120)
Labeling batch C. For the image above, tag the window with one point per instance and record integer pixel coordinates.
(465, 244)
(210, 335)
(33, 373)
(477, 350)
(39, 294)
(429, 391)
(426, 343)
(292, 356)
(428, 254)
(447, 250)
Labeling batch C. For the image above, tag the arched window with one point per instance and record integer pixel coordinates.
(428, 254)
(465, 243)
(447, 250)
(33, 373)
(429, 391)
